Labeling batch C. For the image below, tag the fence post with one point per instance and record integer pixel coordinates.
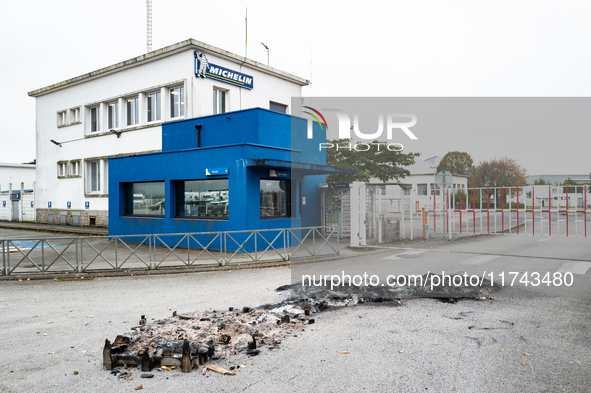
(286, 244)
(77, 259)
(338, 248)
(151, 251)
(81, 254)
(4, 271)
(225, 255)
(256, 258)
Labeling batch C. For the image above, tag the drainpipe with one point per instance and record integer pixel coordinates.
(198, 128)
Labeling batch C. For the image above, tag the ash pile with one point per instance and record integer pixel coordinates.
(189, 340)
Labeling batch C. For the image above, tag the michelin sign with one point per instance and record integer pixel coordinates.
(205, 69)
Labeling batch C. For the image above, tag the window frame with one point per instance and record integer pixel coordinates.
(88, 172)
(180, 200)
(216, 92)
(136, 108)
(62, 169)
(129, 204)
(419, 188)
(181, 103)
(157, 106)
(75, 117)
(62, 118)
(435, 189)
(112, 115)
(96, 108)
(288, 199)
(74, 168)
(271, 102)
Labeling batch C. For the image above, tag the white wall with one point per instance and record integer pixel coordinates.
(25, 212)
(77, 144)
(5, 211)
(414, 180)
(15, 174)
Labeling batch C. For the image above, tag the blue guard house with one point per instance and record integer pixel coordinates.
(244, 170)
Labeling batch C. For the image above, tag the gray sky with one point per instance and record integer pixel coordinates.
(396, 48)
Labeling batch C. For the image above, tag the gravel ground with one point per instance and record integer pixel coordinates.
(425, 345)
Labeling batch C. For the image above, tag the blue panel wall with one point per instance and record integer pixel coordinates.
(226, 143)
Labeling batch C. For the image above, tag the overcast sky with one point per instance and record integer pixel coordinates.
(369, 48)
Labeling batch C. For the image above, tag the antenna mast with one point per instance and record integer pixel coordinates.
(149, 25)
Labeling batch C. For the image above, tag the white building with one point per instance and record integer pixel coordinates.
(16, 174)
(17, 199)
(421, 184)
(133, 98)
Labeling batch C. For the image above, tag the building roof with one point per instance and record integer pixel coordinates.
(190, 44)
(557, 179)
(6, 165)
(424, 167)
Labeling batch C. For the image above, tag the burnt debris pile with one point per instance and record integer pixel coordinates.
(187, 341)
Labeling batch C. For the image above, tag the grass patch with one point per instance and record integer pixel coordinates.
(62, 279)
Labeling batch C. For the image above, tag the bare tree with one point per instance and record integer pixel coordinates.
(502, 172)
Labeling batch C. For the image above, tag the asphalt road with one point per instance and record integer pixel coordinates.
(424, 345)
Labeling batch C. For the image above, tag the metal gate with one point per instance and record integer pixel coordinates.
(376, 215)
(528, 210)
(337, 210)
(15, 211)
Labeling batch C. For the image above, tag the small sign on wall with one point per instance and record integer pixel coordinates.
(31, 204)
(69, 204)
(276, 173)
(87, 205)
(3, 203)
(216, 171)
(49, 205)
(303, 200)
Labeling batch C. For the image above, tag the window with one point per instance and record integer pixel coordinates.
(132, 111)
(75, 115)
(383, 190)
(421, 189)
(94, 119)
(96, 176)
(435, 190)
(177, 102)
(61, 169)
(219, 101)
(154, 106)
(75, 168)
(277, 107)
(145, 199)
(406, 190)
(113, 115)
(275, 198)
(61, 118)
(203, 199)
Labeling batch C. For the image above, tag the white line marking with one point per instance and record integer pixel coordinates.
(479, 259)
(575, 267)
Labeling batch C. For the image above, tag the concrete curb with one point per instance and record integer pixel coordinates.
(31, 226)
(71, 276)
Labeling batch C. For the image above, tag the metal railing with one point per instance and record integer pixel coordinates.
(96, 253)
(527, 210)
